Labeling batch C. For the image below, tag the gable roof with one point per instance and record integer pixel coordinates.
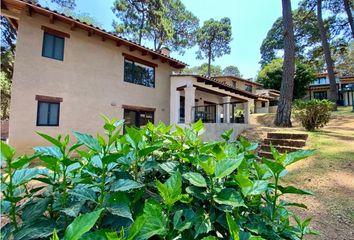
(30, 8)
(240, 79)
(216, 83)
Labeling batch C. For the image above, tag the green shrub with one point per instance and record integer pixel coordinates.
(151, 183)
(313, 114)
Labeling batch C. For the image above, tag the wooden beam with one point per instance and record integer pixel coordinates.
(28, 10)
(72, 26)
(132, 48)
(144, 53)
(104, 38)
(118, 43)
(163, 60)
(138, 108)
(142, 61)
(90, 32)
(51, 18)
(48, 99)
(55, 32)
(155, 56)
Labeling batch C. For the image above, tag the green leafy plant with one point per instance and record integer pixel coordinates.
(151, 183)
(313, 114)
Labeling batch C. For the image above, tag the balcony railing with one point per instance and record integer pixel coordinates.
(208, 113)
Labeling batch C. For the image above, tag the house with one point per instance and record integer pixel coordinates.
(268, 98)
(67, 73)
(319, 89)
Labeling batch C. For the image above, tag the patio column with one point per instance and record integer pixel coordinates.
(175, 105)
(350, 98)
(189, 93)
(246, 113)
(345, 98)
(267, 106)
(226, 101)
(219, 111)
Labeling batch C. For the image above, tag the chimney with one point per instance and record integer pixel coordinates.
(165, 51)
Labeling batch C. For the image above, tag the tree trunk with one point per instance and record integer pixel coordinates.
(209, 60)
(348, 10)
(333, 92)
(283, 117)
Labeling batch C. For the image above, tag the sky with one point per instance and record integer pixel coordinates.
(250, 20)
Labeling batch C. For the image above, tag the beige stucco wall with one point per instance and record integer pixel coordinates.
(90, 81)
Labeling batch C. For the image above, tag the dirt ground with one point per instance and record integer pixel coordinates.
(329, 174)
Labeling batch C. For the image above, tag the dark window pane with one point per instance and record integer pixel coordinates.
(139, 73)
(130, 118)
(54, 114)
(59, 48)
(53, 46)
(48, 45)
(43, 110)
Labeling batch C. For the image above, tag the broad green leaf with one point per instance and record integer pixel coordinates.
(227, 134)
(210, 238)
(196, 192)
(208, 164)
(122, 210)
(5, 207)
(183, 219)
(198, 126)
(74, 209)
(293, 190)
(134, 137)
(81, 225)
(135, 229)
(103, 234)
(234, 229)
(146, 151)
(275, 167)
(113, 157)
(83, 193)
(202, 223)
(171, 190)
(7, 152)
(257, 187)
(25, 175)
(229, 196)
(22, 161)
(35, 210)
(52, 151)
(296, 156)
(41, 229)
(88, 141)
(195, 179)
(155, 221)
(125, 185)
(50, 139)
(227, 166)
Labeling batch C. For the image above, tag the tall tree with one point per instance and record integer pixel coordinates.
(215, 70)
(333, 92)
(348, 6)
(213, 39)
(283, 117)
(231, 71)
(163, 22)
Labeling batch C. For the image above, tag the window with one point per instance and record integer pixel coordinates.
(137, 118)
(53, 46)
(320, 81)
(139, 73)
(263, 104)
(248, 88)
(320, 95)
(48, 113)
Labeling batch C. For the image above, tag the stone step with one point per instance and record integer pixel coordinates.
(293, 136)
(285, 142)
(281, 149)
(265, 154)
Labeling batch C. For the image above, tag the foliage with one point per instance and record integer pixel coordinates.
(271, 76)
(231, 71)
(5, 85)
(213, 39)
(82, 16)
(313, 114)
(215, 70)
(345, 61)
(164, 22)
(149, 183)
